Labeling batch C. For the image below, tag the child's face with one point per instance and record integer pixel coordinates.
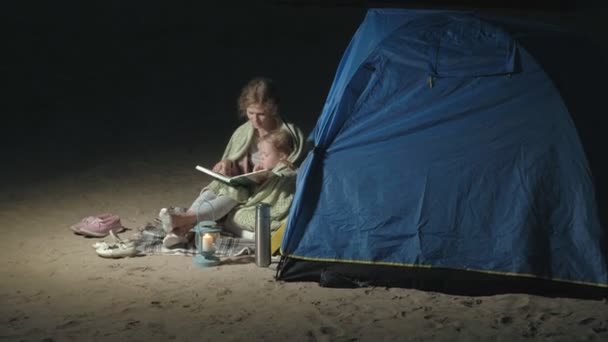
(269, 156)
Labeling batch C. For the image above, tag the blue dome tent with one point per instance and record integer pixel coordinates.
(448, 157)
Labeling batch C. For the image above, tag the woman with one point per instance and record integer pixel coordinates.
(236, 205)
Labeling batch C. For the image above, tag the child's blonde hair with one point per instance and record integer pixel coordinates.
(281, 141)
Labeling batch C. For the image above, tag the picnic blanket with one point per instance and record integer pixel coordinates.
(149, 241)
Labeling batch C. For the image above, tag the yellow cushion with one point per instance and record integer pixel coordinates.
(275, 240)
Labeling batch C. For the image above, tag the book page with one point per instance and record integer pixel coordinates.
(251, 178)
(246, 179)
(214, 174)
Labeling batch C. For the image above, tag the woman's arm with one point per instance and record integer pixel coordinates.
(235, 158)
(235, 150)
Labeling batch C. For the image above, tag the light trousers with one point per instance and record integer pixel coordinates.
(209, 206)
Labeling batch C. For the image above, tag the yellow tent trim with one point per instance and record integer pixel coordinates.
(429, 266)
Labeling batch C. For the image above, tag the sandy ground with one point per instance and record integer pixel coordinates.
(84, 84)
(55, 288)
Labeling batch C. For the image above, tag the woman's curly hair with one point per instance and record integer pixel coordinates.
(259, 91)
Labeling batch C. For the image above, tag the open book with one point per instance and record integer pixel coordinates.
(246, 179)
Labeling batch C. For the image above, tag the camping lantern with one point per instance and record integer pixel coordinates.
(206, 235)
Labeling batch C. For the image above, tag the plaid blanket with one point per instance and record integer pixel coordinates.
(150, 241)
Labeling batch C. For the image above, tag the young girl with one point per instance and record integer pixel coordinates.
(273, 151)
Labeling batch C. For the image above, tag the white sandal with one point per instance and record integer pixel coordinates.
(119, 249)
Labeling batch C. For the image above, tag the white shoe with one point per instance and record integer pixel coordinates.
(173, 240)
(247, 235)
(97, 245)
(240, 232)
(117, 250)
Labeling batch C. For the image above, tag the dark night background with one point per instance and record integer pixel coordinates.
(93, 94)
(84, 81)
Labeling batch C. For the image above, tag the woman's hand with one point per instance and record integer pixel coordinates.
(226, 167)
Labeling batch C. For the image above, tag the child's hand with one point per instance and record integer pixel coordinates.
(258, 167)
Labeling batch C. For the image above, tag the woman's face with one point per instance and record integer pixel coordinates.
(259, 119)
(269, 156)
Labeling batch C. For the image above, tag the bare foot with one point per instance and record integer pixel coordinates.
(183, 222)
(181, 231)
